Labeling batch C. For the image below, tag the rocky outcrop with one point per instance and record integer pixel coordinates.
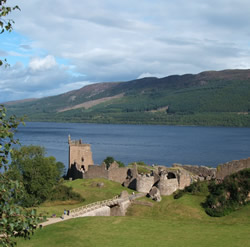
(155, 194)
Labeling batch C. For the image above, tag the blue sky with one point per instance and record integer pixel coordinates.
(57, 46)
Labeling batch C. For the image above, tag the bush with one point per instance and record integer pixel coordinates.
(121, 164)
(141, 163)
(64, 193)
(109, 160)
(196, 188)
(178, 194)
(229, 195)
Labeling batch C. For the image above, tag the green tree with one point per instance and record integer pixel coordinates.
(5, 23)
(14, 220)
(108, 161)
(37, 173)
(7, 129)
(120, 163)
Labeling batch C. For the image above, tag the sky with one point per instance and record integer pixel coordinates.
(61, 45)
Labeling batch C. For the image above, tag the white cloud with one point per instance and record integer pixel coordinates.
(37, 80)
(42, 63)
(126, 39)
(146, 74)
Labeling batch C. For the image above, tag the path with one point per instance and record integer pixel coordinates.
(79, 212)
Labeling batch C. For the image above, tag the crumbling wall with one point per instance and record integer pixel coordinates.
(114, 173)
(167, 185)
(74, 172)
(80, 154)
(118, 174)
(201, 171)
(184, 179)
(232, 167)
(121, 208)
(97, 172)
(144, 183)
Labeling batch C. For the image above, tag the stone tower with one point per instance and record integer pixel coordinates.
(80, 155)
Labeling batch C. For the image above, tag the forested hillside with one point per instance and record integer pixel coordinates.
(210, 98)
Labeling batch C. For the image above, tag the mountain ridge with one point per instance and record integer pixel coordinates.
(188, 99)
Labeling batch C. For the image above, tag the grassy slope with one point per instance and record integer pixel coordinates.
(169, 223)
(88, 189)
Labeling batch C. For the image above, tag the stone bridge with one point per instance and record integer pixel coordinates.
(101, 208)
(116, 206)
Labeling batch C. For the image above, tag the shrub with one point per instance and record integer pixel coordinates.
(64, 193)
(196, 188)
(178, 194)
(108, 161)
(141, 163)
(121, 164)
(229, 195)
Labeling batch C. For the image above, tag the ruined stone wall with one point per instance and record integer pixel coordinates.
(184, 179)
(96, 172)
(232, 167)
(201, 171)
(167, 186)
(118, 174)
(74, 173)
(144, 183)
(121, 209)
(80, 154)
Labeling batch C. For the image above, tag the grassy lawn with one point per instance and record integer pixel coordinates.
(169, 223)
(88, 189)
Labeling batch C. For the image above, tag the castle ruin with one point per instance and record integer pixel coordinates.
(163, 180)
(80, 158)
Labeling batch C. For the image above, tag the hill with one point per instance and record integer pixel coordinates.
(215, 98)
(170, 222)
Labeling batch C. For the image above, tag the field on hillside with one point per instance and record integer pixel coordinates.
(181, 222)
(88, 189)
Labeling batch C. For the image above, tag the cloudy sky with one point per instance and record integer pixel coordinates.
(61, 45)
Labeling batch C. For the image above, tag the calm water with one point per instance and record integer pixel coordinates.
(162, 145)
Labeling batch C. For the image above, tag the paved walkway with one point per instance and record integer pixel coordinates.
(55, 220)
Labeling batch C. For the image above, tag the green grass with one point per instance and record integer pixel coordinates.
(188, 207)
(88, 189)
(169, 223)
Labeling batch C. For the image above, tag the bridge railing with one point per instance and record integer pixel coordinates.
(95, 205)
